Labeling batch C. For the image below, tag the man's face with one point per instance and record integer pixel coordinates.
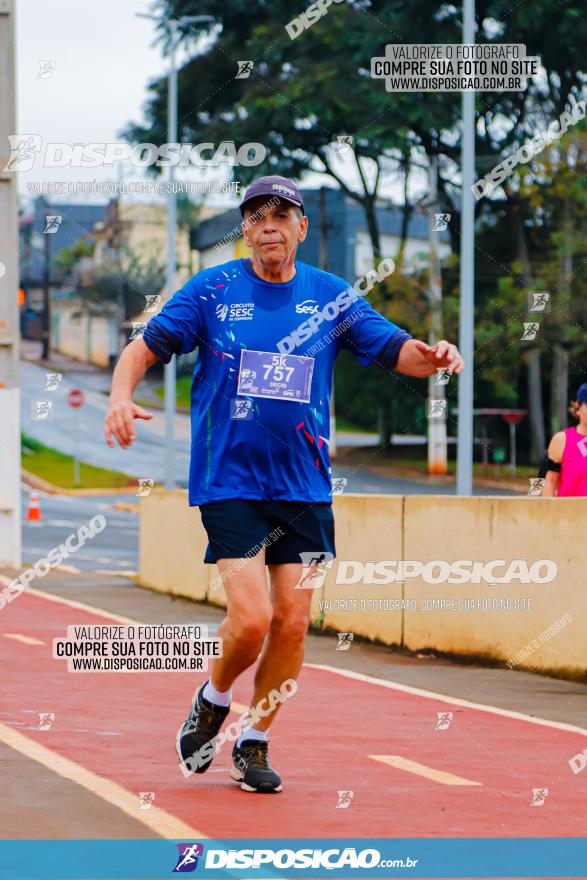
(275, 231)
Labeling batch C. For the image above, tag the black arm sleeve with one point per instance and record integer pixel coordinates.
(547, 464)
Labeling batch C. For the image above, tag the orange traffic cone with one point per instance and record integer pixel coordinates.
(33, 513)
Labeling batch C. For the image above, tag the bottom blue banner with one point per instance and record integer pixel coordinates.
(559, 857)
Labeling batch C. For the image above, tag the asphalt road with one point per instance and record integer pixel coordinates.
(114, 549)
(82, 430)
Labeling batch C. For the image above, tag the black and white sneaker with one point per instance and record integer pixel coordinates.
(194, 745)
(252, 769)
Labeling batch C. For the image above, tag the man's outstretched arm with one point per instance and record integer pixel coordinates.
(374, 339)
(132, 365)
(421, 360)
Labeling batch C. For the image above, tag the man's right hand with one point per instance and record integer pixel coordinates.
(119, 422)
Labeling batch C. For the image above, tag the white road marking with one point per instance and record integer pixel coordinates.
(82, 606)
(238, 707)
(442, 776)
(26, 640)
(454, 701)
(159, 821)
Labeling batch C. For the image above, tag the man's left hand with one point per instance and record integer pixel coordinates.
(441, 355)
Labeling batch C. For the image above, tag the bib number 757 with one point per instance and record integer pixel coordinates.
(277, 370)
(280, 376)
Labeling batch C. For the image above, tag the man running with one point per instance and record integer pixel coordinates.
(268, 330)
(565, 465)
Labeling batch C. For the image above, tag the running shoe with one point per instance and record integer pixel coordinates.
(194, 745)
(251, 767)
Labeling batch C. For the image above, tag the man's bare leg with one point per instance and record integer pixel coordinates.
(283, 652)
(249, 613)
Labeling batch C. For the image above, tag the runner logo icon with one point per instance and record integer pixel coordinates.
(187, 861)
(314, 569)
(221, 311)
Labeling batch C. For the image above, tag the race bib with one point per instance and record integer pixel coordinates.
(281, 376)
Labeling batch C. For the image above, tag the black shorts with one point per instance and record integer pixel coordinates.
(239, 528)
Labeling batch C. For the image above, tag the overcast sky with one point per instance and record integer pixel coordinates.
(104, 59)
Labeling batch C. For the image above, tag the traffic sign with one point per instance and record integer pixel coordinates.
(75, 398)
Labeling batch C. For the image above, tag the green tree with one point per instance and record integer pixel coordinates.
(68, 257)
(301, 95)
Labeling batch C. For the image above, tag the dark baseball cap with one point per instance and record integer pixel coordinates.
(582, 393)
(273, 185)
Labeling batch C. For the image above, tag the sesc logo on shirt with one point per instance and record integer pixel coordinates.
(307, 307)
(235, 311)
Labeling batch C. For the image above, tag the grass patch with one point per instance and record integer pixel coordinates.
(57, 468)
(183, 391)
(343, 425)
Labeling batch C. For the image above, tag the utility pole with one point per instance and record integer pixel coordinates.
(170, 370)
(46, 333)
(467, 279)
(437, 399)
(323, 224)
(10, 532)
(323, 263)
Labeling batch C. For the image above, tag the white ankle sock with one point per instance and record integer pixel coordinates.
(251, 733)
(219, 698)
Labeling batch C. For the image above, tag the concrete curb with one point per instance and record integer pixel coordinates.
(127, 506)
(438, 480)
(36, 482)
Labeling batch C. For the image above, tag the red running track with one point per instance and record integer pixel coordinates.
(321, 744)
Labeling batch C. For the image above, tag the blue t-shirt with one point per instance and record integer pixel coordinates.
(280, 451)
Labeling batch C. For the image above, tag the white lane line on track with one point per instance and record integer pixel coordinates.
(26, 640)
(432, 773)
(454, 701)
(347, 673)
(49, 597)
(159, 821)
(238, 707)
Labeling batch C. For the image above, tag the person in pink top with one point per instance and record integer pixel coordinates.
(566, 464)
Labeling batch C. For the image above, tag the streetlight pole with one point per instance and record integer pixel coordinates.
(170, 371)
(46, 327)
(437, 454)
(467, 278)
(10, 530)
